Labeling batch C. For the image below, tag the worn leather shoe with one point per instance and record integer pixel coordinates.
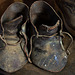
(47, 50)
(13, 21)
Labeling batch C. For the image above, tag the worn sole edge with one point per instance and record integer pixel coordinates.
(46, 69)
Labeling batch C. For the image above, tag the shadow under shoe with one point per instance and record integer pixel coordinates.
(47, 51)
(12, 57)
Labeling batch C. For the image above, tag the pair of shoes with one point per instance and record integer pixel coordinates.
(67, 9)
(47, 50)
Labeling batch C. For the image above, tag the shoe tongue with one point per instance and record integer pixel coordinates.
(12, 25)
(50, 27)
(47, 30)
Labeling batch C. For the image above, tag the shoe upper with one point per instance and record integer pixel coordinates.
(12, 57)
(47, 48)
(44, 18)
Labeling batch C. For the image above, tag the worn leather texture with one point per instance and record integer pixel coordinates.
(12, 56)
